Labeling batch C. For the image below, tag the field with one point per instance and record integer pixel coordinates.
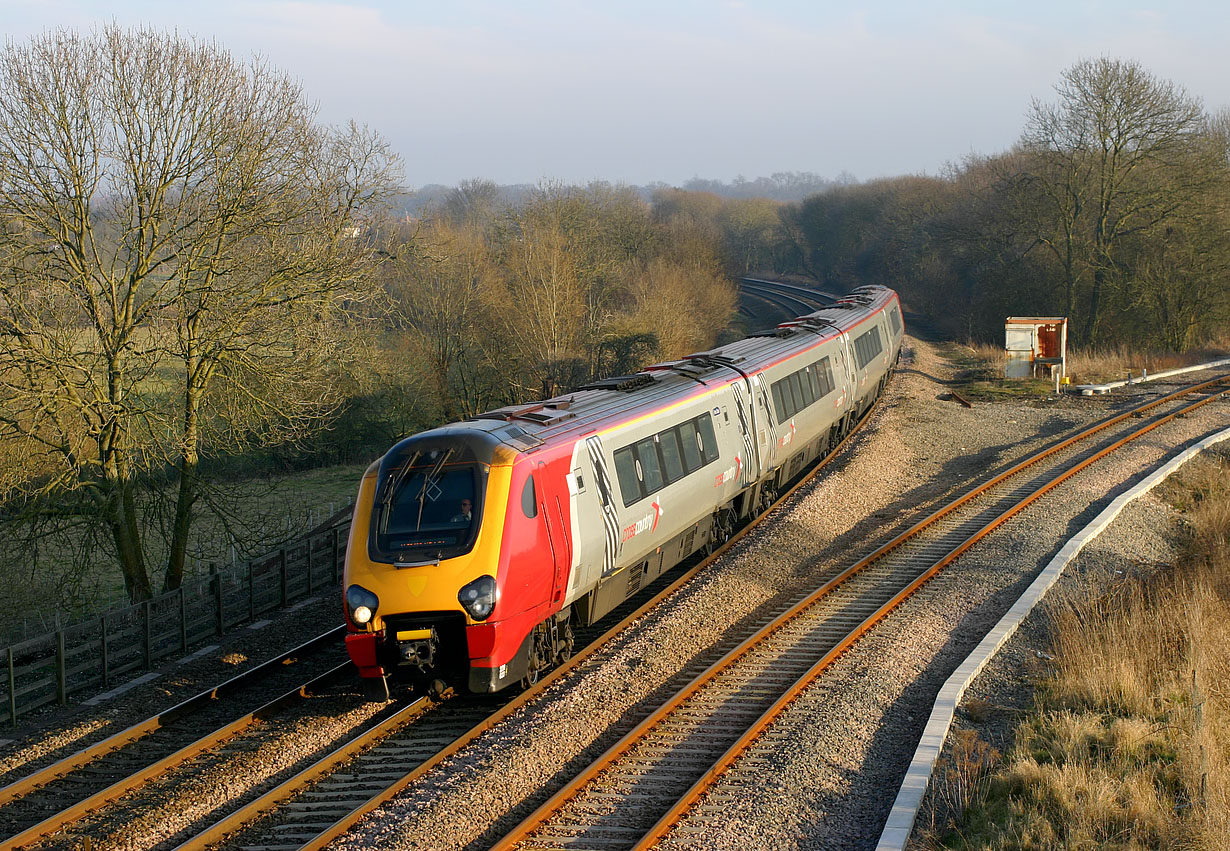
(248, 518)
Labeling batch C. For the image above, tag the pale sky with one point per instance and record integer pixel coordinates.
(638, 91)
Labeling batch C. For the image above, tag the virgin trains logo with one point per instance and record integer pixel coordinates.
(648, 523)
(729, 474)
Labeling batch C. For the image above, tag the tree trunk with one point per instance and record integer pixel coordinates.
(189, 475)
(122, 520)
(1095, 307)
(189, 463)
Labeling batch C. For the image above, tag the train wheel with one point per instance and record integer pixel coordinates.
(768, 496)
(540, 656)
(565, 644)
(723, 529)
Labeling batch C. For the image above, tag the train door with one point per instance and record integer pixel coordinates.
(745, 413)
(764, 424)
(553, 508)
(595, 523)
(849, 377)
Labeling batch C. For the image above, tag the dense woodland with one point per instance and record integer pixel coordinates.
(198, 282)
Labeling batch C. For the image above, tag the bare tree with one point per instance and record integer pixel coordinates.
(441, 282)
(1115, 159)
(177, 237)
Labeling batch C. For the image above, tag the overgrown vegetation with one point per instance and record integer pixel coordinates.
(1129, 744)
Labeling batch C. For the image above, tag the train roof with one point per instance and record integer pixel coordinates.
(615, 401)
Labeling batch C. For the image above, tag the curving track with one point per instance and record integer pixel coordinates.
(325, 799)
(633, 793)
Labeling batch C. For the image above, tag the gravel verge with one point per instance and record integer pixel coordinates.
(841, 756)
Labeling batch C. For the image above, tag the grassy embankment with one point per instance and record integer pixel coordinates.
(1128, 745)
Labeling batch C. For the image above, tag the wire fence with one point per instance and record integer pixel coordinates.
(53, 667)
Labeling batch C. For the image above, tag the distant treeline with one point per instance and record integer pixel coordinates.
(780, 186)
(1111, 210)
(487, 303)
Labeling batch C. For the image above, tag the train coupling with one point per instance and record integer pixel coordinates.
(417, 647)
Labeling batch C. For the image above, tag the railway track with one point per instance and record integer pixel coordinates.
(791, 300)
(630, 796)
(343, 798)
(45, 801)
(809, 294)
(325, 798)
(57, 798)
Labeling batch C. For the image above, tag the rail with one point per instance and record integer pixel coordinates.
(366, 799)
(740, 695)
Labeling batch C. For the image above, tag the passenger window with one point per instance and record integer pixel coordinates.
(709, 448)
(651, 472)
(625, 470)
(813, 378)
(777, 402)
(672, 461)
(691, 446)
(789, 392)
(802, 389)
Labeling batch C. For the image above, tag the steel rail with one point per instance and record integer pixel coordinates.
(810, 292)
(139, 730)
(257, 807)
(693, 794)
(138, 778)
(782, 299)
(617, 750)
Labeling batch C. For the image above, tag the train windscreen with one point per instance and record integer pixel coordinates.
(429, 506)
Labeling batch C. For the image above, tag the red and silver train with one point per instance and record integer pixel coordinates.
(476, 547)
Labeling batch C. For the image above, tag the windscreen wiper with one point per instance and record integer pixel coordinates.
(429, 481)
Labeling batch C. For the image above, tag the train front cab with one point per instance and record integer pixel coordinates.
(429, 595)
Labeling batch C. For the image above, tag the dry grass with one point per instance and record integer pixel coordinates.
(1091, 365)
(1129, 745)
(982, 362)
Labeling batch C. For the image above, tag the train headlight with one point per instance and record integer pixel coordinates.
(361, 604)
(478, 598)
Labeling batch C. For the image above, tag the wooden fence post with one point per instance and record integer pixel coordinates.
(12, 690)
(105, 666)
(61, 670)
(282, 572)
(148, 612)
(333, 547)
(183, 620)
(309, 566)
(251, 591)
(221, 612)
